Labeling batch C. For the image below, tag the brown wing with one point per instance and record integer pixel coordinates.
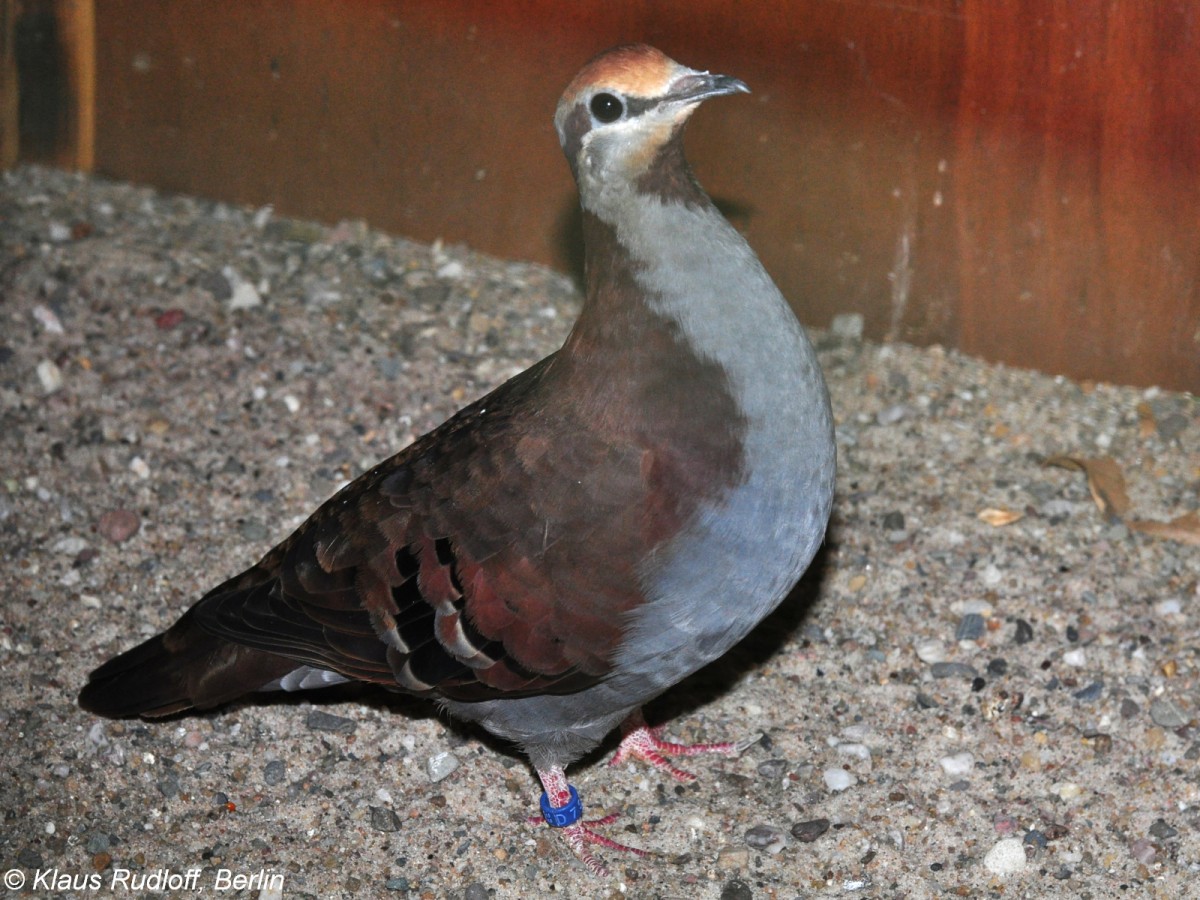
(495, 555)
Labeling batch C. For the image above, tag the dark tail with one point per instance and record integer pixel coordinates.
(185, 667)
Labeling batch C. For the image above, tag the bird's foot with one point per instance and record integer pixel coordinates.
(562, 811)
(642, 742)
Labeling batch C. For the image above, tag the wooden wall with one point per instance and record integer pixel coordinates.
(1016, 178)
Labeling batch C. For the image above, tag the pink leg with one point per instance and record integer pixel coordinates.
(642, 742)
(579, 834)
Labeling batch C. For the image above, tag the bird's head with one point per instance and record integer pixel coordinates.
(624, 110)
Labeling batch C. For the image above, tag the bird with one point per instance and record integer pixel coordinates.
(574, 543)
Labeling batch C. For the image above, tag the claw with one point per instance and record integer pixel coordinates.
(644, 743)
(562, 802)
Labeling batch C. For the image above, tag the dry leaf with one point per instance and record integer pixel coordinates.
(1185, 528)
(1105, 480)
(998, 518)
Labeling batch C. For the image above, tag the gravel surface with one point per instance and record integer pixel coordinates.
(951, 705)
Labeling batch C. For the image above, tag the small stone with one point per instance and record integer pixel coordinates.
(970, 627)
(1171, 607)
(1068, 790)
(1092, 692)
(736, 889)
(384, 819)
(323, 721)
(1161, 830)
(58, 233)
(1129, 708)
(101, 861)
(893, 521)
(1007, 857)
(838, 779)
(440, 765)
(1036, 839)
(397, 883)
(807, 832)
(274, 772)
(958, 763)
(953, 670)
(475, 891)
(766, 837)
(50, 375)
(119, 525)
(1143, 851)
(733, 857)
(1166, 713)
(892, 414)
(997, 667)
(245, 296)
(931, 652)
(773, 769)
(924, 701)
(98, 842)
(1076, 657)
(1023, 632)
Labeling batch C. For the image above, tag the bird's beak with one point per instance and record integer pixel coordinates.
(693, 87)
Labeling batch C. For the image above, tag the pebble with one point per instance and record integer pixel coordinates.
(1166, 713)
(274, 772)
(1023, 632)
(319, 720)
(440, 765)
(48, 319)
(1143, 851)
(970, 627)
(931, 652)
(731, 857)
(997, 667)
(892, 414)
(245, 296)
(1007, 857)
(397, 883)
(384, 819)
(50, 376)
(958, 763)
(773, 769)
(475, 891)
(1092, 692)
(766, 837)
(953, 670)
(807, 832)
(838, 779)
(119, 525)
(1172, 607)
(1163, 831)
(736, 889)
(1076, 657)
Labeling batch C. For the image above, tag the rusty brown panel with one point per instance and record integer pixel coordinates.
(896, 159)
(1077, 201)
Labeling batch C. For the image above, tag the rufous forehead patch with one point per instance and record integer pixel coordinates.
(636, 70)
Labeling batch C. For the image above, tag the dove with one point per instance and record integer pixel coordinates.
(576, 542)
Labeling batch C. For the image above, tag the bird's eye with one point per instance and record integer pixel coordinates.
(607, 108)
